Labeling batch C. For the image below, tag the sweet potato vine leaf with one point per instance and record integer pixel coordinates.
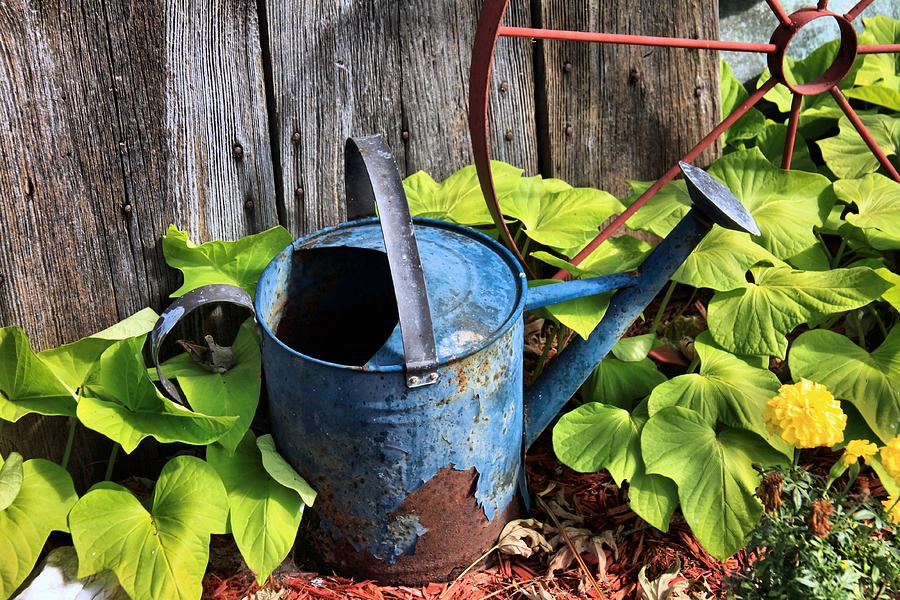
(121, 402)
(870, 381)
(234, 393)
(726, 390)
(596, 436)
(755, 318)
(160, 553)
(27, 385)
(714, 474)
(458, 198)
(239, 263)
(264, 514)
(43, 500)
(877, 202)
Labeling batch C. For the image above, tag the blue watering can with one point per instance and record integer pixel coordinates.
(392, 351)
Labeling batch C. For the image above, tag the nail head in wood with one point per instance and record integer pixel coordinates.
(567, 67)
(298, 193)
(504, 87)
(237, 151)
(295, 138)
(569, 130)
(508, 136)
(405, 135)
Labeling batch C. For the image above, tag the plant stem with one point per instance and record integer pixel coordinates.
(70, 440)
(525, 247)
(879, 320)
(825, 248)
(693, 366)
(111, 462)
(796, 460)
(839, 254)
(859, 330)
(662, 307)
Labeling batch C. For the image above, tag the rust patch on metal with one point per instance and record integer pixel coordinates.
(458, 533)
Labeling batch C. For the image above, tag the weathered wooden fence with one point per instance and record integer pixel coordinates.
(225, 117)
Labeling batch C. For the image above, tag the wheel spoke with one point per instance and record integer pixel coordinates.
(864, 133)
(776, 7)
(823, 5)
(791, 137)
(878, 49)
(854, 12)
(636, 40)
(711, 137)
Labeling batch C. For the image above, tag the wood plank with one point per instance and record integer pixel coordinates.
(386, 67)
(119, 119)
(624, 112)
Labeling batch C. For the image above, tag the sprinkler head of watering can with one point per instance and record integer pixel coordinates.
(716, 201)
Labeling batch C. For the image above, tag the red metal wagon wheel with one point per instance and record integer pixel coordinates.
(490, 28)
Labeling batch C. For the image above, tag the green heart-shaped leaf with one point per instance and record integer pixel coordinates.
(871, 381)
(569, 219)
(882, 66)
(282, 472)
(580, 315)
(157, 554)
(122, 403)
(619, 383)
(721, 259)
(234, 393)
(877, 200)
(885, 93)
(616, 255)
(595, 436)
(525, 203)
(726, 389)
(771, 142)
(892, 295)
(264, 514)
(714, 473)
(663, 211)
(635, 348)
(72, 362)
(785, 204)
(239, 263)
(459, 198)
(10, 479)
(755, 318)
(732, 93)
(41, 505)
(848, 156)
(27, 385)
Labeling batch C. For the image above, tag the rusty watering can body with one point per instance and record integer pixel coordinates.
(392, 351)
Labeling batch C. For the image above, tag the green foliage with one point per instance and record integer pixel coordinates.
(857, 558)
(714, 473)
(726, 390)
(234, 393)
(160, 553)
(756, 317)
(732, 94)
(10, 479)
(121, 402)
(848, 156)
(43, 500)
(264, 513)
(870, 381)
(27, 385)
(877, 202)
(239, 263)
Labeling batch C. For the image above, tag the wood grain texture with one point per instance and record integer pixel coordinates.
(375, 66)
(625, 112)
(119, 119)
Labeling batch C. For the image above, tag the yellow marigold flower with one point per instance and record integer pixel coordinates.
(806, 415)
(890, 458)
(892, 507)
(859, 449)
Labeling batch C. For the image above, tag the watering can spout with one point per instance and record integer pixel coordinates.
(713, 204)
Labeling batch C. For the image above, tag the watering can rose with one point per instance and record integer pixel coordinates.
(806, 415)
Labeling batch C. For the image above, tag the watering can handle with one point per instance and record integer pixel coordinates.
(372, 179)
(180, 308)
